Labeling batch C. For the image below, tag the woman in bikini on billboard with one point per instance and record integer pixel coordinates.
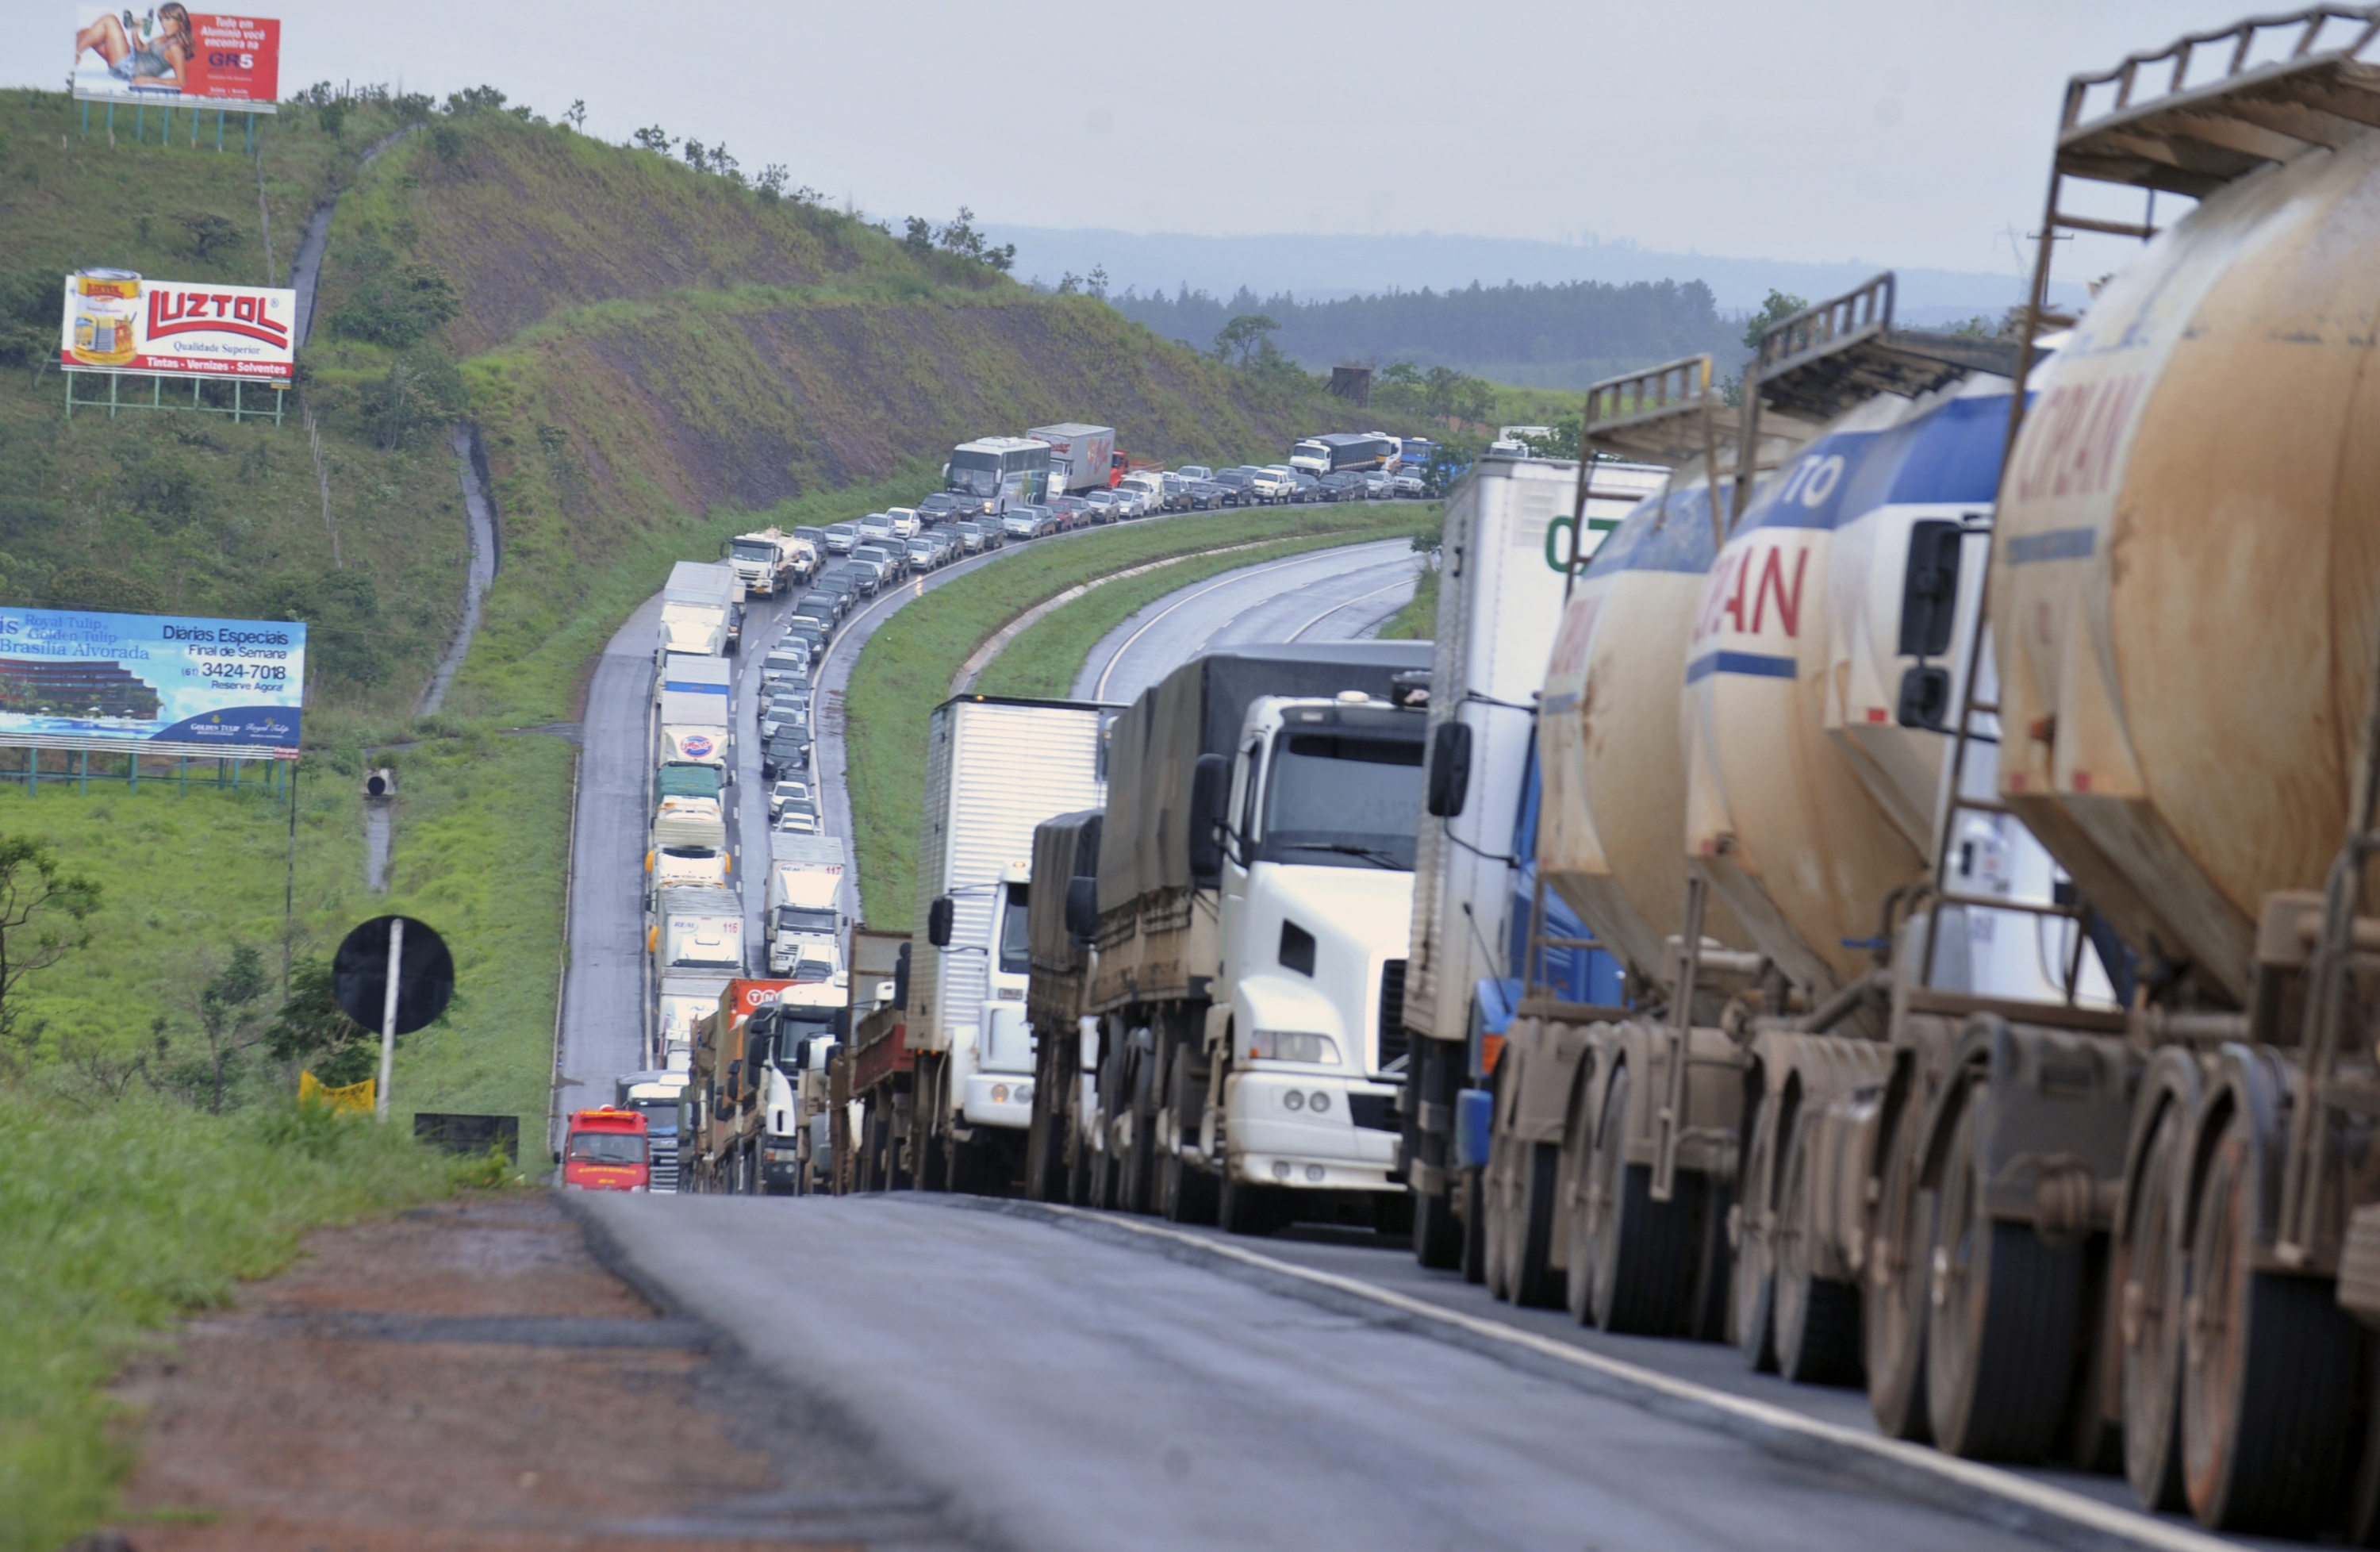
(158, 62)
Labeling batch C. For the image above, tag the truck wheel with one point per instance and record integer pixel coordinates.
(1817, 1318)
(930, 1146)
(1436, 1231)
(1250, 1209)
(1641, 1251)
(1893, 1306)
(1753, 1286)
(1530, 1281)
(2149, 1287)
(2269, 1382)
(1474, 1228)
(1495, 1193)
(1999, 1346)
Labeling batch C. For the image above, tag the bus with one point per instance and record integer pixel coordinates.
(998, 472)
(1364, 450)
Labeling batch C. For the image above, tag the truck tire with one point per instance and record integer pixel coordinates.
(1244, 1209)
(1751, 1317)
(1816, 1319)
(1474, 1228)
(2151, 1256)
(1643, 1252)
(2271, 1373)
(1894, 1287)
(1530, 1281)
(2000, 1347)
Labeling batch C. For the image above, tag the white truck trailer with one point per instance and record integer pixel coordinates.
(699, 607)
(696, 931)
(697, 696)
(1081, 457)
(1515, 531)
(994, 769)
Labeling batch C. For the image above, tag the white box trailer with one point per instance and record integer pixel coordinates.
(683, 999)
(995, 768)
(696, 692)
(1508, 542)
(805, 899)
(698, 606)
(1080, 456)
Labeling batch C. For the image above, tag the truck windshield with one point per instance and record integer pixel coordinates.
(659, 1114)
(756, 550)
(1015, 948)
(1343, 800)
(606, 1148)
(794, 918)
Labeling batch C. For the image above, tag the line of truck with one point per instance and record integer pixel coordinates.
(1873, 871)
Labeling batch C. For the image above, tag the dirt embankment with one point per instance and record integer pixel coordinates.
(471, 1377)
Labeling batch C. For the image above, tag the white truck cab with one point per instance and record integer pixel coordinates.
(991, 1067)
(1315, 918)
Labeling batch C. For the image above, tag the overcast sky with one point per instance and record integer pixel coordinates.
(1900, 131)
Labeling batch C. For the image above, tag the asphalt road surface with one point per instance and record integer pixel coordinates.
(1328, 595)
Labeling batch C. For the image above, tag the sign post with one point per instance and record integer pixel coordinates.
(388, 1010)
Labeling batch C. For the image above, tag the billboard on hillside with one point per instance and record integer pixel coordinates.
(116, 320)
(76, 675)
(170, 53)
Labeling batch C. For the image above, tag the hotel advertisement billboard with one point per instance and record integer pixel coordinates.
(75, 676)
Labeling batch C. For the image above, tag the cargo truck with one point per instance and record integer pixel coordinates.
(768, 561)
(1513, 533)
(734, 1078)
(680, 1001)
(994, 768)
(1061, 931)
(1336, 450)
(696, 697)
(655, 1095)
(695, 930)
(875, 1069)
(604, 1150)
(804, 905)
(1254, 894)
(701, 608)
(1081, 457)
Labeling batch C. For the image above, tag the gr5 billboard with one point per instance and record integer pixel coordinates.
(116, 320)
(171, 54)
(78, 674)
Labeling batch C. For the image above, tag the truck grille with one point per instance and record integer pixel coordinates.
(664, 1157)
(1392, 1015)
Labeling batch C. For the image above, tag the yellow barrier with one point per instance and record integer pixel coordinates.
(356, 1099)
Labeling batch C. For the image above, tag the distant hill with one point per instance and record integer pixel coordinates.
(1543, 336)
(1322, 268)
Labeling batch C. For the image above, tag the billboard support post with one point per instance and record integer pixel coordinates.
(388, 1010)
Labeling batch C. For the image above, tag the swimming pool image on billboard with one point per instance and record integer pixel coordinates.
(79, 675)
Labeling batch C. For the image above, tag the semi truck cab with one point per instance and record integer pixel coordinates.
(1316, 870)
(992, 1071)
(606, 1150)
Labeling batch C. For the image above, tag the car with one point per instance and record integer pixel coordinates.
(796, 821)
(924, 554)
(877, 526)
(969, 537)
(1379, 485)
(1104, 506)
(1408, 484)
(777, 682)
(906, 521)
(1275, 482)
(1177, 490)
(889, 553)
(1308, 487)
(947, 548)
(778, 720)
(1342, 485)
(939, 507)
(788, 752)
(1021, 522)
(1074, 509)
(784, 792)
(872, 575)
(1147, 488)
(815, 538)
(840, 537)
(1205, 495)
(1130, 501)
(1239, 483)
(1194, 472)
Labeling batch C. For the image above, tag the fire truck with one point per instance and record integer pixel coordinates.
(606, 1151)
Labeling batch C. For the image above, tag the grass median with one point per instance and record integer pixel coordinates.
(906, 669)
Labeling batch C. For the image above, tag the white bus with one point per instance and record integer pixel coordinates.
(1000, 472)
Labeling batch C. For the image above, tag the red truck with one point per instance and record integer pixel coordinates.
(607, 1151)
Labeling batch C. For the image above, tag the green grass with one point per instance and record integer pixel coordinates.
(906, 669)
(1047, 657)
(120, 1218)
(1418, 621)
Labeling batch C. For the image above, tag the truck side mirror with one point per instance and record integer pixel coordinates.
(735, 1081)
(939, 919)
(1082, 907)
(1210, 788)
(1930, 590)
(1925, 699)
(901, 978)
(1449, 769)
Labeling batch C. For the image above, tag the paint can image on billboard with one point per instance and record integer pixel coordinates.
(78, 674)
(118, 320)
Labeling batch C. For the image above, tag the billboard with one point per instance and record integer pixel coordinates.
(77, 675)
(172, 54)
(116, 320)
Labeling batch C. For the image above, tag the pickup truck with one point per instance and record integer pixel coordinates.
(1272, 484)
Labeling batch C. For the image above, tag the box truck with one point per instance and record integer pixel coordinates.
(1080, 456)
(700, 606)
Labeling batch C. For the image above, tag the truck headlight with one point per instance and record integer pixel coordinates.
(1285, 1045)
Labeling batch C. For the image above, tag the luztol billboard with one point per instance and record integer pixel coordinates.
(76, 674)
(116, 320)
(171, 54)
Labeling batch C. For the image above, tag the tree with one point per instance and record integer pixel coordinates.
(961, 237)
(772, 182)
(1779, 306)
(1241, 339)
(44, 915)
(397, 306)
(231, 1015)
(474, 99)
(311, 1030)
(422, 393)
(576, 115)
(209, 234)
(652, 137)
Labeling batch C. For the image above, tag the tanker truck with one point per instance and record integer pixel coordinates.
(2183, 595)
(1254, 900)
(1513, 533)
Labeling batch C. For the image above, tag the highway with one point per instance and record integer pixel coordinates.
(1067, 1379)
